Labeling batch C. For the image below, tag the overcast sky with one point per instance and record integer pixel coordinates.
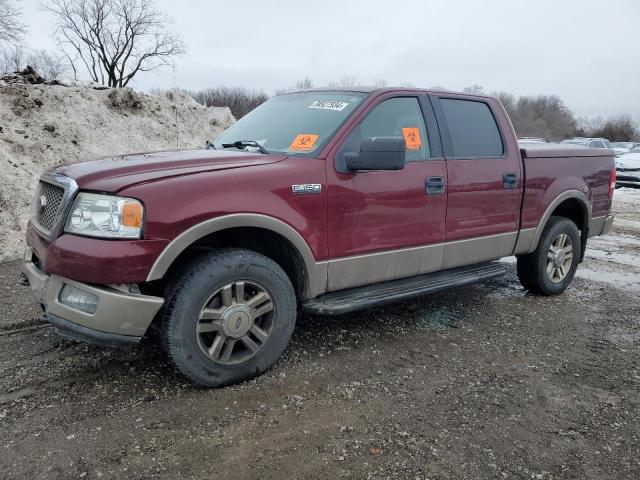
(585, 51)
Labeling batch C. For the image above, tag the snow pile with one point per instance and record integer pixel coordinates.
(43, 125)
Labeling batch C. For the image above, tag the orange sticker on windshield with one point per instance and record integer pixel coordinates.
(304, 142)
(412, 138)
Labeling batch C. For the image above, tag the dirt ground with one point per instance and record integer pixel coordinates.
(481, 382)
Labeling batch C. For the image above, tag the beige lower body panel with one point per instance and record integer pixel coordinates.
(358, 270)
(525, 242)
(382, 266)
(476, 250)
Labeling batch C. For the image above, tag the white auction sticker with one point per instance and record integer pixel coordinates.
(329, 105)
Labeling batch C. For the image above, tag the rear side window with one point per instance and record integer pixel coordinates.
(473, 130)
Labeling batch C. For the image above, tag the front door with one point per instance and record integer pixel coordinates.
(387, 224)
(484, 180)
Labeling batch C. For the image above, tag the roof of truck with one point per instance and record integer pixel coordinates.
(371, 89)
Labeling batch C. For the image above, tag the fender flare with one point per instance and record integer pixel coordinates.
(316, 271)
(535, 238)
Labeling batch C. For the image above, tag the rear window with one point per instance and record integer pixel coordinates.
(473, 130)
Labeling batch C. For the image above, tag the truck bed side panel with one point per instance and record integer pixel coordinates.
(547, 178)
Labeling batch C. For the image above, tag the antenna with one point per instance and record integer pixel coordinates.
(175, 104)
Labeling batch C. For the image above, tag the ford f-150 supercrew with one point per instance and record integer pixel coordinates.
(324, 200)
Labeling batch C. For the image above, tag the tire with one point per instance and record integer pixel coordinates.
(213, 322)
(533, 268)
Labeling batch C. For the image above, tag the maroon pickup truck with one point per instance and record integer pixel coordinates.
(323, 200)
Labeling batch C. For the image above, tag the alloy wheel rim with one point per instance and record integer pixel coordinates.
(559, 258)
(235, 322)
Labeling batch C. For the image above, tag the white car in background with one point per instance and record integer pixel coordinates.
(628, 169)
(622, 147)
(589, 142)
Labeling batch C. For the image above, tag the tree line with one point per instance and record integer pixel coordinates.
(544, 116)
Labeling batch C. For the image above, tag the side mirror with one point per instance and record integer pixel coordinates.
(378, 153)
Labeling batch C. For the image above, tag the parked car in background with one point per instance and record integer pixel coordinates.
(621, 148)
(589, 142)
(628, 169)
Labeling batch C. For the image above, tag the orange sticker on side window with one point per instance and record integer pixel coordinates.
(304, 142)
(412, 138)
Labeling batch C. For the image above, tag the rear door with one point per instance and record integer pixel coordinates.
(387, 224)
(484, 179)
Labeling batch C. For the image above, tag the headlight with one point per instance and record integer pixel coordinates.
(105, 216)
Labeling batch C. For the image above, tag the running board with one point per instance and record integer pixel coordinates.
(344, 301)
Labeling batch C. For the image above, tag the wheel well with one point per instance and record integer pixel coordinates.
(574, 210)
(260, 240)
(577, 212)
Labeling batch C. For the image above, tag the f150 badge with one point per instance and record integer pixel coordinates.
(306, 188)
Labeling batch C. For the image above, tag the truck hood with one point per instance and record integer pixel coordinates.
(115, 173)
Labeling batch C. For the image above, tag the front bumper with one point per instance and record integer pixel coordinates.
(120, 318)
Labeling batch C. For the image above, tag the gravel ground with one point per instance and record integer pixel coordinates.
(481, 382)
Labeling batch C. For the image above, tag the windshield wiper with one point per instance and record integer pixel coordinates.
(246, 143)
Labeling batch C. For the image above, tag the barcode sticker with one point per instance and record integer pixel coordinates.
(329, 105)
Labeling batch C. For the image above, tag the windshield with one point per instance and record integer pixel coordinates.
(295, 123)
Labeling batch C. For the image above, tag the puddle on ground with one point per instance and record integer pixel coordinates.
(439, 318)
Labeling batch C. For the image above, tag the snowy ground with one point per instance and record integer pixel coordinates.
(615, 258)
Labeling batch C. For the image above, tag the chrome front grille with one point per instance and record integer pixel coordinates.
(48, 202)
(54, 195)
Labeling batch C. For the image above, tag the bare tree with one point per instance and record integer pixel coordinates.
(345, 81)
(50, 65)
(12, 60)
(540, 116)
(239, 100)
(305, 84)
(114, 39)
(617, 129)
(474, 89)
(300, 85)
(11, 29)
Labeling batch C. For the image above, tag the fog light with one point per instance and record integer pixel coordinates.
(78, 300)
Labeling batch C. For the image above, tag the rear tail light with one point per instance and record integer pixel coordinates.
(612, 182)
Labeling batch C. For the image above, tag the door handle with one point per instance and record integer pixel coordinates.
(434, 186)
(510, 180)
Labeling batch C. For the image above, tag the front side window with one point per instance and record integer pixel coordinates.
(597, 144)
(395, 117)
(472, 127)
(295, 124)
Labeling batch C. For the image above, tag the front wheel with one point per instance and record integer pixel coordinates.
(229, 317)
(550, 268)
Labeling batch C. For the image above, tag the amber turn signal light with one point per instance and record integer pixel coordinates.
(132, 215)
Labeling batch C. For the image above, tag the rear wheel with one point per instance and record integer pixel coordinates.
(229, 317)
(550, 268)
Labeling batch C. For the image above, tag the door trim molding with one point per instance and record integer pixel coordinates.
(363, 269)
